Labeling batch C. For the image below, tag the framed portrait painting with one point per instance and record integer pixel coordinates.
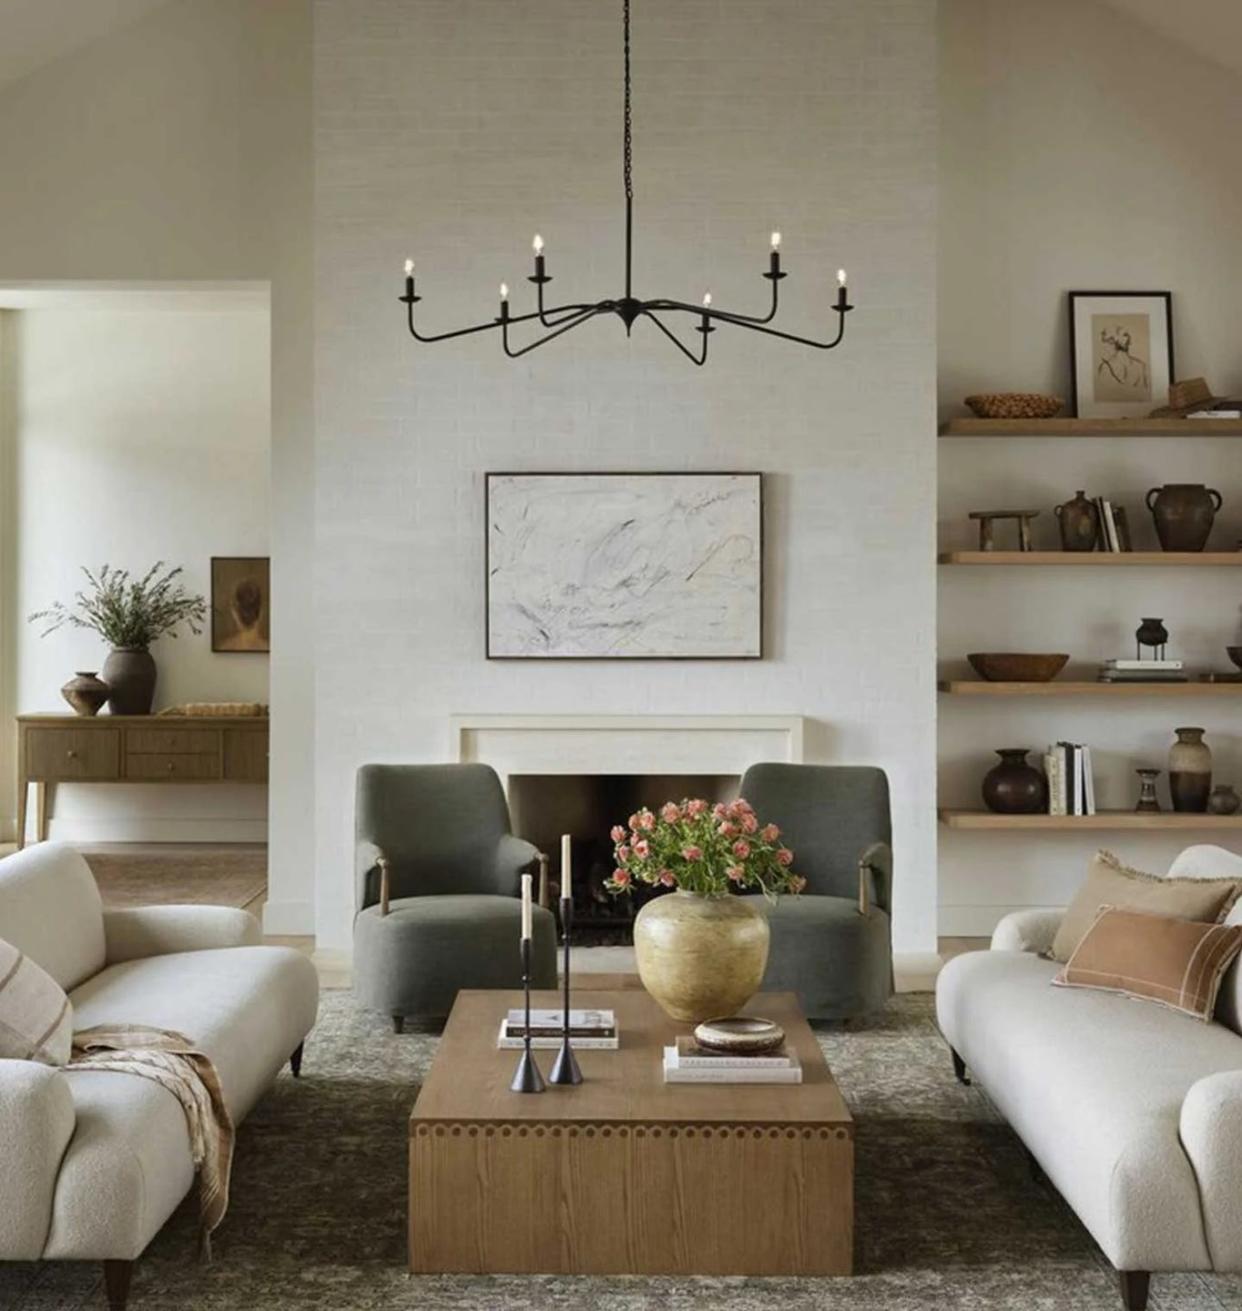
(1121, 352)
(241, 616)
(624, 566)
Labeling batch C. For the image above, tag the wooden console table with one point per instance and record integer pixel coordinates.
(55, 749)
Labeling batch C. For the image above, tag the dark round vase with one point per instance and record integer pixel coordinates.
(130, 674)
(1015, 787)
(1183, 514)
(85, 692)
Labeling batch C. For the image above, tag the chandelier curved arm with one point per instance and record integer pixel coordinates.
(556, 309)
(699, 359)
(489, 326)
(732, 315)
(589, 313)
(741, 322)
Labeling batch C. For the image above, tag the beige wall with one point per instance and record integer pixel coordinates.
(179, 149)
(1078, 150)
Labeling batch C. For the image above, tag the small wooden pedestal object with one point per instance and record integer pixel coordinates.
(987, 518)
(626, 1174)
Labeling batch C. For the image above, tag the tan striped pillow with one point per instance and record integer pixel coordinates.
(1176, 962)
(36, 1018)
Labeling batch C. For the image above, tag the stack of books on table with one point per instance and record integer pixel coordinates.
(688, 1062)
(587, 1029)
(1143, 671)
(1071, 786)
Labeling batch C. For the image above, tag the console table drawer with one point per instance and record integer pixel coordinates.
(171, 741)
(245, 755)
(55, 754)
(176, 765)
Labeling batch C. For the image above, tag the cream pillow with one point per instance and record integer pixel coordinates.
(1110, 883)
(36, 1017)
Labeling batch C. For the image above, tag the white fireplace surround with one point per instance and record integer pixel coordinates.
(625, 744)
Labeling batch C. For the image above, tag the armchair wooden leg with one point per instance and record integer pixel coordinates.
(959, 1068)
(295, 1061)
(398, 1024)
(1135, 1285)
(117, 1275)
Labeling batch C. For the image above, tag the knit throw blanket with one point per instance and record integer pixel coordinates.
(172, 1061)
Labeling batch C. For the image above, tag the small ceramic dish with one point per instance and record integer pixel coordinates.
(740, 1034)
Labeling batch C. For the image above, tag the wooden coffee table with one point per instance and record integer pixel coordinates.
(626, 1174)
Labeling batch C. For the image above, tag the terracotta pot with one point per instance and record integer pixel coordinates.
(1015, 787)
(1079, 521)
(1183, 514)
(1190, 771)
(130, 674)
(701, 957)
(85, 693)
(1223, 801)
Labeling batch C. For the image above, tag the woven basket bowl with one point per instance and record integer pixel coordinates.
(1014, 405)
(1017, 667)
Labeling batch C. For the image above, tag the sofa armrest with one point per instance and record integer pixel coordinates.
(159, 930)
(514, 857)
(1027, 930)
(875, 878)
(36, 1124)
(1211, 1134)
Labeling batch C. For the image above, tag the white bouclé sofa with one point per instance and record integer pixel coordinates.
(1132, 1110)
(95, 1162)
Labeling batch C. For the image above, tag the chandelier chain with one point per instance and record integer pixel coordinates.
(628, 153)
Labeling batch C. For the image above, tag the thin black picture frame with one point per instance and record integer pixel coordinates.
(1072, 296)
(761, 650)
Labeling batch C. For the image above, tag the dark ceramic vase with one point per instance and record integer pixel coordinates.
(130, 674)
(1079, 521)
(1190, 771)
(85, 692)
(1015, 787)
(1183, 514)
(1153, 633)
(1223, 801)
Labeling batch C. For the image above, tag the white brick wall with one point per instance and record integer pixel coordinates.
(452, 130)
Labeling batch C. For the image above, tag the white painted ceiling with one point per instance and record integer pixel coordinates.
(1211, 28)
(35, 32)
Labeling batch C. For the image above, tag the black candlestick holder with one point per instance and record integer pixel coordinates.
(526, 1078)
(566, 1070)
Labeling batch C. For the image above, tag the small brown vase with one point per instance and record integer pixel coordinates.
(1015, 787)
(130, 674)
(85, 692)
(1190, 771)
(1223, 801)
(1183, 514)
(1079, 521)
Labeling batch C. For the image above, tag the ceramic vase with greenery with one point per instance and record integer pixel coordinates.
(701, 952)
(129, 614)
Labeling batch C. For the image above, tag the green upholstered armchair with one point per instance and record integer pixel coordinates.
(437, 875)
(833, 944)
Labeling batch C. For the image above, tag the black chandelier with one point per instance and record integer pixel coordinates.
(560, 319)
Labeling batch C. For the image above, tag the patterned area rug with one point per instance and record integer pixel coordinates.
(179, 876)
(948, 1214)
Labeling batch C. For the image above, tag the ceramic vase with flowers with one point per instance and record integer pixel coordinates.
(129, 614)
(702, 952)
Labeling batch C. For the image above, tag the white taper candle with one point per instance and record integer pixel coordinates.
(526, 906)
(567, 866)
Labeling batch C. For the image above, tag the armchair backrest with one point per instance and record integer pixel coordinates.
(51, 910)
(439, 826)
(828, 816)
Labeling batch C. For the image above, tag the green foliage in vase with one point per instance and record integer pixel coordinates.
(128, 612)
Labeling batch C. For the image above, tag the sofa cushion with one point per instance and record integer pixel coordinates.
(1093, 1083)
(246, 1008)
(50, 908)
(1174, 962)
(1110, 883)
(36, 1019)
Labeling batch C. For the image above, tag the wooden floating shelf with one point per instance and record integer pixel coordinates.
(1092, 428)
(978, 688)
(1093, 559)
(1110, 819)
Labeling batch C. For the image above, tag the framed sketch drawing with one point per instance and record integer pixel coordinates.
(624, 566)
(1121, 352)
(241, 617)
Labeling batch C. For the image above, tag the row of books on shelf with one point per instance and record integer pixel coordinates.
(1114, 527)
(1143, 671)
(1071, 785)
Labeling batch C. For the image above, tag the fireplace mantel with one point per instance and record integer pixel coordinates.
(625, 744)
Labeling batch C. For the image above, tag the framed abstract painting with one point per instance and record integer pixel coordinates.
(241, 614)
(624, 566)
(1121, 352)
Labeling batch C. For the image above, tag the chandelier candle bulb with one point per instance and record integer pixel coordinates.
(567, 864)
(409, 277)
(774, 259)
(537, 247)
(842, 299)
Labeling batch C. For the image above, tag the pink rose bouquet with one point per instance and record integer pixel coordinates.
(700, 848)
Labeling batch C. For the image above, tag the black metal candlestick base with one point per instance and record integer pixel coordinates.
(526, 1078)
(566, 1070)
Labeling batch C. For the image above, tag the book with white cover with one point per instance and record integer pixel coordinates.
(1142, 666)
(1088, 782)
(507, 1041)
(1054, 767)
(673, 1073)
(691, 1055)
(587, 1029)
